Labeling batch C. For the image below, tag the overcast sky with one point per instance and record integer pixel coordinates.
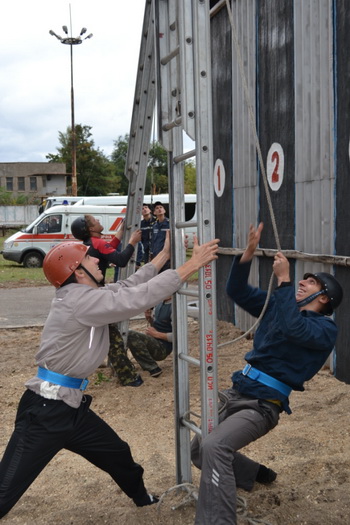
(35, 73)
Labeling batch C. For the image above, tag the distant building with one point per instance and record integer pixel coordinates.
(34, 178)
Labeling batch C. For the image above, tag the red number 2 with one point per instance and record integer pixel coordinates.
(275, 176)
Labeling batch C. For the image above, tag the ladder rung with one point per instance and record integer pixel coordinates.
(185, 156)
(186, 224)
(189, 359)
(191, 426)
(165, 60)
(189, 293)
(171, 125)
(193, 311)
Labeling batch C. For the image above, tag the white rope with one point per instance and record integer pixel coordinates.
(263, 172)
(241, 502)
(191, 489)
(252, 124)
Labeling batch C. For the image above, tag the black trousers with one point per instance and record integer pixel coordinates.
(43, 427)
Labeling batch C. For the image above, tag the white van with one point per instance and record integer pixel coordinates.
(29, 246)
(122, 200)
(60, 201)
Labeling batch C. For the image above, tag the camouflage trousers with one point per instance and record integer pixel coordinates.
(117, 357)
(147, 350)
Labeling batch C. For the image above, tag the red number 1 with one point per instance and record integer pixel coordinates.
(219, 181)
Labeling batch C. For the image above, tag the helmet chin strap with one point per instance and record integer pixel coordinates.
(309, 299)
(90, 275)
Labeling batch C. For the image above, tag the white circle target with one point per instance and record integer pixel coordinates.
(219, 177)
(275, 166)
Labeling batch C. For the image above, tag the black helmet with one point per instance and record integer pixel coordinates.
(80, 229)
(332, 289)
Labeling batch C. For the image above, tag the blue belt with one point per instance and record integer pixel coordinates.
(267, 380)
(62, 380)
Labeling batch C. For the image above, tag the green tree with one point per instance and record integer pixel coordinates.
(190, 177)
(95, 172)
(157, 169)
(119, 154)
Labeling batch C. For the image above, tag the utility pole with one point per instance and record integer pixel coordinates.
(72, 41)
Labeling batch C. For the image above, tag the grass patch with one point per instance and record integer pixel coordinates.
(15, 274)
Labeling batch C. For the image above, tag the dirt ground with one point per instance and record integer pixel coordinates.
(309, 449)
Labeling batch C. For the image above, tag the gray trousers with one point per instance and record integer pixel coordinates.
(223, 468)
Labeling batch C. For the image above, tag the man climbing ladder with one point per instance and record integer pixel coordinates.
(292, 343)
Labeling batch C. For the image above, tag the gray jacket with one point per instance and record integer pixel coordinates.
(75, 338)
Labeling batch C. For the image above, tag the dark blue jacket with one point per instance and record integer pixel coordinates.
(289, 345)
(158, 236)
(163, 322)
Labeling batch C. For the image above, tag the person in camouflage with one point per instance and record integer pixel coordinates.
(118, 359)
(156, 343)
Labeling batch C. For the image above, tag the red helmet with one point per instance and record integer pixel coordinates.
(62, 260)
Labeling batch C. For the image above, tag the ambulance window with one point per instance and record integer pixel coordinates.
(55, 223)
(50, 224)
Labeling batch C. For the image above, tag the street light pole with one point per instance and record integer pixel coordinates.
(71, 41)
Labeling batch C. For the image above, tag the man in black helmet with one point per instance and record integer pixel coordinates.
(89, 230)
(293, 341)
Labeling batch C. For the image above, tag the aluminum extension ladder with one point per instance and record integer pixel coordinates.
(175, 50)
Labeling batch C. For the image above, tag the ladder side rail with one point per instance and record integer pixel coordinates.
(137, 184)
(138, 164)
(180, 319)
(135, 200)
(176, 191)
(186, 65)
(137, 161)
(205, 211)
(141, 126)
(162, 49)
(142, 109)
(139, 141)
(142, 80)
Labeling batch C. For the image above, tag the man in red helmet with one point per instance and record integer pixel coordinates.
(293, 340)
(54, 411)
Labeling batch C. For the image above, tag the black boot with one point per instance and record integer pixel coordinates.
(146, 499)
(265, 475)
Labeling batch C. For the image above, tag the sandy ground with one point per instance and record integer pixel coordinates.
(309, 449)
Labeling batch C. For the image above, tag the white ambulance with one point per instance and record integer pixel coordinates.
(30, 245)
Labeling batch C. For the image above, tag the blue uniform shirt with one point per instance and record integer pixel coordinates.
(158, 236)
(289, 345)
